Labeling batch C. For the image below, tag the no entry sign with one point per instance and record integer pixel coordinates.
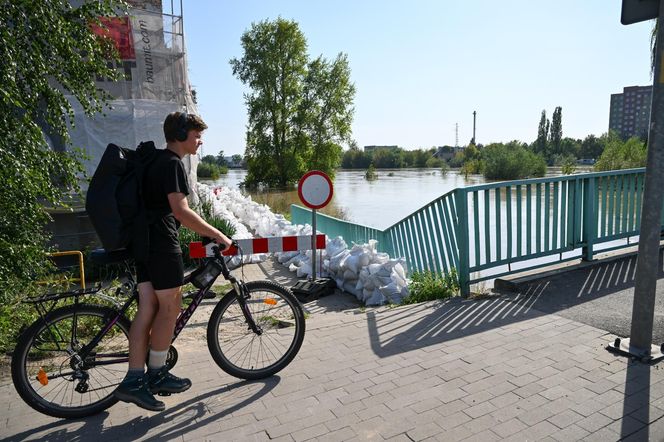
(315, 189)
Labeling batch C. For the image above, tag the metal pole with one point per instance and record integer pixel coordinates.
(313, 244)
(651, 215)
(474, 115)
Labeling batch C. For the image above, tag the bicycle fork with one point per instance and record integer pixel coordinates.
(242, 298)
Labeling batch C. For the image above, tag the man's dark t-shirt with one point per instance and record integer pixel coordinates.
(165, 175)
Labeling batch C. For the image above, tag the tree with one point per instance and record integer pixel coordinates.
(511, 161)
(619, 154)
(48, 50)
(387, 158)
(326, 113)
(237, 158)
(220, 160)
(210, 159)
(540, 145)
(556, 133)
(591, 147)
(299, 111)
(354, 158)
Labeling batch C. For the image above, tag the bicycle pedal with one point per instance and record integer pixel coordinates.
(163, 393)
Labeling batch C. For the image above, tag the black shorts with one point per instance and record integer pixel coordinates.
(164, 270)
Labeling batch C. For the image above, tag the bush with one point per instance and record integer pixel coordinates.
(434, 162)
(429, 286)
(371, 174)
(511, 162)
(622, 155)
(210, 171)
(472, 167)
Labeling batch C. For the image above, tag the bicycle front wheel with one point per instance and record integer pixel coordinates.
(245, 354)
(50, 373)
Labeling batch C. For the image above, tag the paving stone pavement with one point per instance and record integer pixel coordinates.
(474, 370)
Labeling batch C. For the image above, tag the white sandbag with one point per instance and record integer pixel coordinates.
(399, 268)
(350, 288)
(381, 258)
(376, 298)
(380, 281)
(374, 268)
(304, 270)
(349, 275)
(350, 263)
(284, 257)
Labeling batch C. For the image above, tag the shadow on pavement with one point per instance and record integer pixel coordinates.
(600, 295)
(182, 418)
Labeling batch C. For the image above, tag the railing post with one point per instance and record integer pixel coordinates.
(589, 218)
(461, 231)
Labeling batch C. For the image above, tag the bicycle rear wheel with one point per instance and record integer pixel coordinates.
(241, 352)
(49, 373)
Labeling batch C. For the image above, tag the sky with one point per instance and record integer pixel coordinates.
(421, 67)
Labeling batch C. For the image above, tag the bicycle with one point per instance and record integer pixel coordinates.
(69, 361)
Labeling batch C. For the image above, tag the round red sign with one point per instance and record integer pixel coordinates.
(315, 189)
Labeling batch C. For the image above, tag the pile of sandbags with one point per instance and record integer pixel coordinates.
(373, 277)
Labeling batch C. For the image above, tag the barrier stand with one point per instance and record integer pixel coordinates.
(315, 191)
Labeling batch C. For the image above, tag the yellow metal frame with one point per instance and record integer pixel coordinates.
(81, 266)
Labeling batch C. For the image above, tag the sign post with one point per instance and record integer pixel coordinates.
(640, 344)
(315, 191)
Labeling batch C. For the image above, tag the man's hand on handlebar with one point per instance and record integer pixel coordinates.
(223, 241)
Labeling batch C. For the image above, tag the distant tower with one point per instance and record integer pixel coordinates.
(474, 114)
(456, 131)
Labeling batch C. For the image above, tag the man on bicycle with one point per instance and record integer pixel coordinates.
(161, 276)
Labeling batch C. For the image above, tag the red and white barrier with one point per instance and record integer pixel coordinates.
(260, 245)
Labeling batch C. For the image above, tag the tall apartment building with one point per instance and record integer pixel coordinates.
(630, 111)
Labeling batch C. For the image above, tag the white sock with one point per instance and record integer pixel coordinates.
(157, 359)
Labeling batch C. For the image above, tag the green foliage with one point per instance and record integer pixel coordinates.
(540, 146)
(433, 162)
(384, 158)
(387, 158)
(209, 169)
(568, 166)
(556, 132)
(210, 159)
(472, 167)
(511, 161)
(300, 111)
(591, 147)
(619, 154)
(220, 160)
(354, 158)
(429, 286)
(47, 50)
(371, 174)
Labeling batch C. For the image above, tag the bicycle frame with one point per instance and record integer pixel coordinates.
(182, 319)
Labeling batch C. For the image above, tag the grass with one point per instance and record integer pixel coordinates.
(430, 286)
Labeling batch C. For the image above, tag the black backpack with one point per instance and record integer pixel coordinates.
(115, 203)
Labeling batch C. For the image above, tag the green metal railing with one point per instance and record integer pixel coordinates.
(484, 230)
